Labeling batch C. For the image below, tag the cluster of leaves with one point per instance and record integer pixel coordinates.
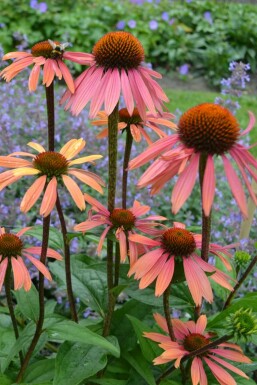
(206, 35)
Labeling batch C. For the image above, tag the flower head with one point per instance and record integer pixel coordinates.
(115, 67)
(12, 251)
(242, 324)
(124, 222)
(136, 124)
(191, 336)
(50, 55)
(50, 168)
(209, 130)
(177, 245)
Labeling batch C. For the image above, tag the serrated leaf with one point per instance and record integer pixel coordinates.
(77, 362)
(55, 236)
(70, 331)
(28, 302)
(149, 349)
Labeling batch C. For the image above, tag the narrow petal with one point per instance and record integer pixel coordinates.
(36, 147)
(101, 240)
(113, 91)
(209, 182)
(127, 93)
(74, 191)
(250, 124)
(229, 366)
(121, 236)
(145, 263)
(150, 276)
(49, 198)
(27, 279)
(85, 159)
(195, 371)
(143, 240)
(165, 277)
(10, 162)
(3, 267)
(33, 78)
(50, 252)
(40, 266)
(32, 194)
(219, 373)
(48, 75)
(201, 324)
(93, 202)
(67, 76)
(18, 274)
(86, 179)
(72, 148)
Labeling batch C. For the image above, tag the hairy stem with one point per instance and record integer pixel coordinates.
(166, 307)
(206, 220)
(45, 238)
(50, 115)
(127, 152)
(67, 261)
(195, 353)
(113, 120)
(241, 280)
(7, 283)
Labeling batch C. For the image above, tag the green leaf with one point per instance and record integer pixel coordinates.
(4, 380)
(42, 370)
(108, 381)
(28, 302)
(138, 362)
(149, 349)
(69, 331)
(249, 301)
(55, 236)
(76, 362)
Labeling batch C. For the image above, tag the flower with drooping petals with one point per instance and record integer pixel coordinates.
(50, 55)
(115, 67)
(205, 130)
(177, 245)
(136, 124)
(12, 250)
(50, 168)
(124, 222)
(191, 336)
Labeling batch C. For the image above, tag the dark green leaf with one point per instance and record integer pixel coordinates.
(28, 302)
(138, 362)
(42, 370)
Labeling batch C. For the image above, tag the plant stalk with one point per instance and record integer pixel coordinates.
(113, 120)
(71, 299)
(50, 116)
(166, 307)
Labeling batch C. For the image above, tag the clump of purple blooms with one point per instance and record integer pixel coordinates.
(234, 85)
(41, 7)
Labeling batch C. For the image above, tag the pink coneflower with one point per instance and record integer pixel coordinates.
(206, 130)
(116, 66)
(11, 252)
(136, 124)
(51, 168)
(124, 222)
(50, 55)
(177, 245)
(192, 336)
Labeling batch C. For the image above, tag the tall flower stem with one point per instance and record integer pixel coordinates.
(206, 220)
(166, 308)
(117, 265)
(39, 326)
(127, 152)
(7, 284)
(241, 280)
(50, 115)
(67, 261)
(192, 354)
(113, 120)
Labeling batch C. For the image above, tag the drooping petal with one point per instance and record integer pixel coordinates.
(165, 277)
(27, 279)
(74, 191)
(219, 373)
(145, 263)
(195, 371)
(50, 252)
(101, 240)
(83, 177)
(32, 194)
(49, 198)
(33, 78)
(40, 266)
(121, 236)
(18, 274)
(113, 91)
(3, 267)
(209, 182)
(127, 93)
(67, 76)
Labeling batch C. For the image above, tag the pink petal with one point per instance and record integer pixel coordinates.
(201, 324)
(127, 93)
(161, 321)
(150, 276)
(143, 240)
(250, 124)
(3, 267)
(101, 240)
(33, 78)
(209, 183)
(195, 371)
(67, 76)
(48, 75)
(93, 202)
(229, 366)
(49, 198)
(133, 253)
(219, 373)
(23, 231)
(113, 90)
(145, 263)
(50, 252)
(86, 179)
(165, 277)
(120, 235)
(32, 194)
(185, 184)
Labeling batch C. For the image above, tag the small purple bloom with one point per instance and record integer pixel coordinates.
(153, 25)
(42, 7)
(183, 70)
(208, 17)
(172, 21)
(2, 25)
(165, 16)
(33, 4)
(121, 24)
(132, 23)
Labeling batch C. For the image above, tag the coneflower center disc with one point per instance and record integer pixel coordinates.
(208, 128)
(178, 242)
(122, 217)
(126, 118)
(44, 48)
(51, 163)
(195, 341)
(118, 50)
(10, 245)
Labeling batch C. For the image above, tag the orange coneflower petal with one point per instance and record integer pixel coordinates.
(209, 182)
(48, 75)
(18, 274)
(72, 148)
(3, 267)
(101, 240)
(10, 162)
(222, 376)
(32, 194)
(23, 231)
(49, 198)
(67, 76)
(40, 266)
(36, 147)
(75, 191)
(27, 279)
(85, 159)
(84, 177)
(50, 252)
(121, 236)
(195, 371)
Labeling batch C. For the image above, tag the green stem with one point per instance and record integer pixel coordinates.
(206, 220)
(195, 353)
(67, 261)
(239, 283)
(50, 115)
(166, 307)
(117, 264)
(8, 293)
(127, 152)
(113, 120)
(45, 238)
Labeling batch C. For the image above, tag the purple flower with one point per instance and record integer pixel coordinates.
(33, 4)
(172, 21)
(207, 15)
(132, 23)
(121, 24)
(153, 25)
(42, 7)
(183, 70)
(165, 16)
